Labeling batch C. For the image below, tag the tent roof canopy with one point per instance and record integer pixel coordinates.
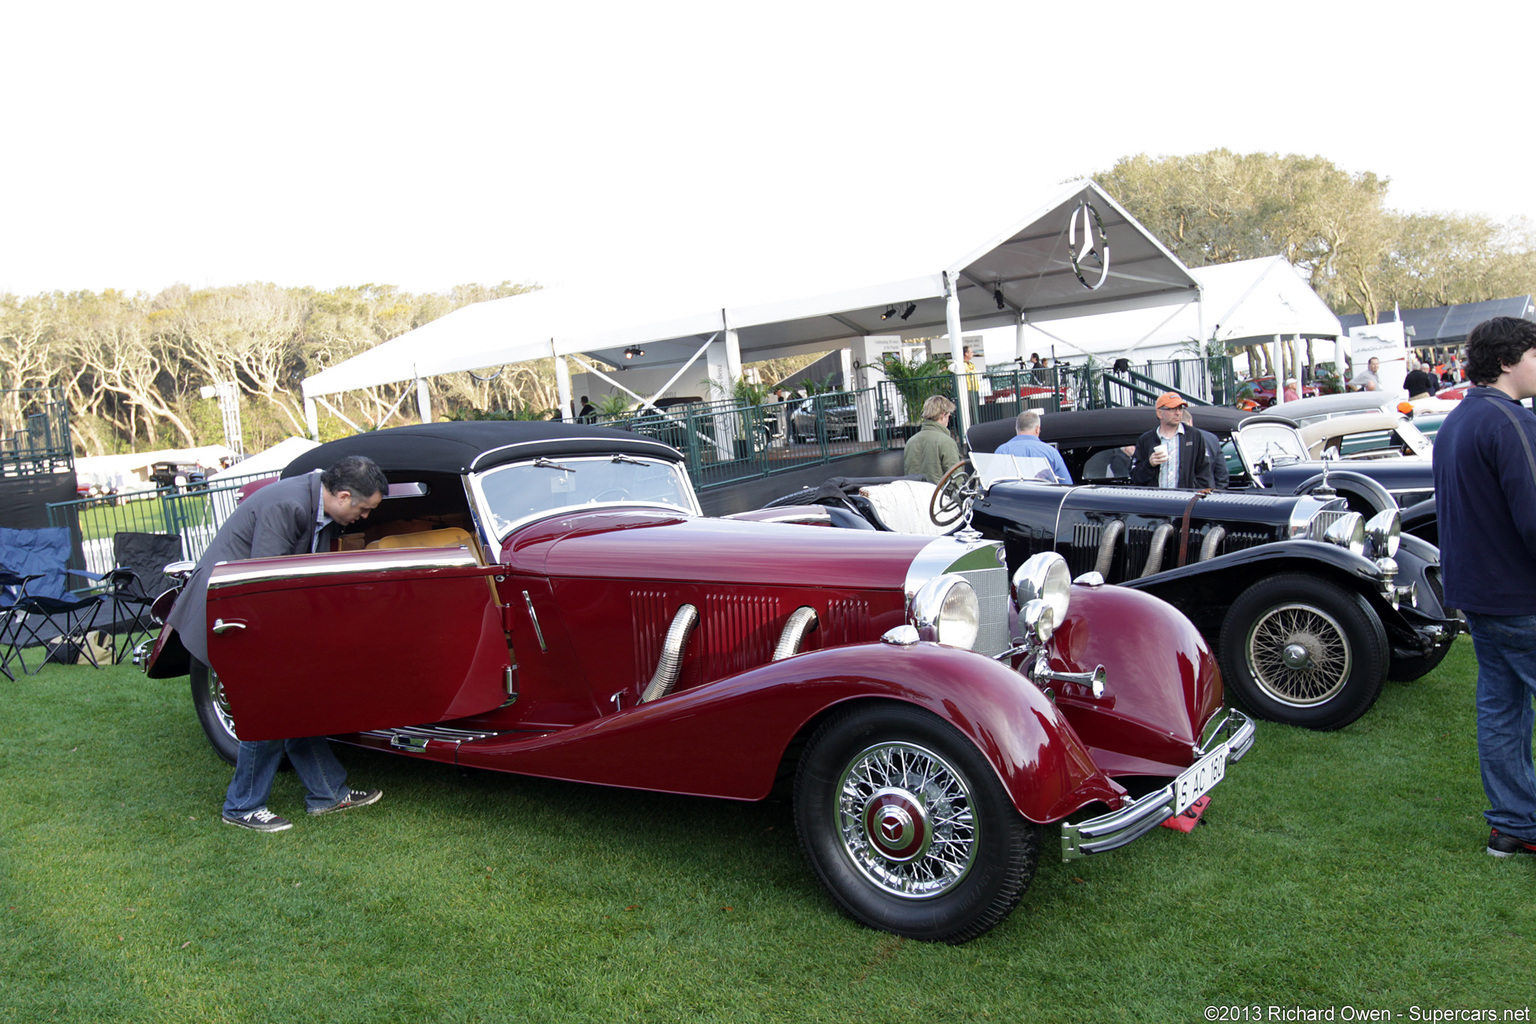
(1028, 264)
(1245, 299)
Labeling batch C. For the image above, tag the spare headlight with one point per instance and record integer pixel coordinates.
(1348, 531)
(1038, 619)
(945, 610)
(1385, 532)
(1044, 577)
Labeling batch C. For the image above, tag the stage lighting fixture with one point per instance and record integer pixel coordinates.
(911, 308)
(890, 311)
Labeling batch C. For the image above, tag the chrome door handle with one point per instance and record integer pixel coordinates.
(220, 626)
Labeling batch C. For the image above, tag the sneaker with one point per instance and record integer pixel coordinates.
(261, 819)
(354, 798)
(1500, 845)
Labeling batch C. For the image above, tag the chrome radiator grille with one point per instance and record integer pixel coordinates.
(991, 586)
(1318, 527)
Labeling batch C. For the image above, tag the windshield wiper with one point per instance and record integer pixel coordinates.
(543, 463)
(629, 459)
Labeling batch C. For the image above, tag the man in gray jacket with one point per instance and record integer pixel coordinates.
(296, 516)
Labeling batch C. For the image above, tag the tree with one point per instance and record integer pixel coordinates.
(1335, 226)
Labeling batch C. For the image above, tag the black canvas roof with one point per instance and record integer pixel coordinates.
(478, 444)
(1100, 426)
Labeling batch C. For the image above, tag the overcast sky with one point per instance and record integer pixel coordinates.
(327, 144)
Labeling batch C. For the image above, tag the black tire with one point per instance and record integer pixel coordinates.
(1404, 670)
(1303, 651)
(965, 854)
(213, 711)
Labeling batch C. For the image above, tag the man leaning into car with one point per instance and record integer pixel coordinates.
(1485, 497)
(1169, 455)
(296, 516)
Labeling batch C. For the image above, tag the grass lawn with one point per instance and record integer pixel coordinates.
(1338, 870)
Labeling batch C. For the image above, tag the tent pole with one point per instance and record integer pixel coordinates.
(423, 400)
(562, 384)
(957, 350)
(311, 419)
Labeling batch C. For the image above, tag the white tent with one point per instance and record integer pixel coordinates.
(1026, 273)
(1248, 302)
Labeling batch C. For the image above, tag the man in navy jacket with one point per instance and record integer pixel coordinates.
(1485, 499)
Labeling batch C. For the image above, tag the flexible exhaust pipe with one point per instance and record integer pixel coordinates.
(671, 662)
(801, 622)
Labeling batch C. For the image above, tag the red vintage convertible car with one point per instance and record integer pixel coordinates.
(546, 599)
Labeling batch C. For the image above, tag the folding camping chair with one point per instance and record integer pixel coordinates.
(46, 612)
(137, 580)
(12, 588)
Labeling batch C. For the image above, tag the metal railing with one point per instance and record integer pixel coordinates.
(194, 512)
(40, 442)
(722, 442)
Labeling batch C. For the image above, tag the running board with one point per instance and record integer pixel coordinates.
(414, 738)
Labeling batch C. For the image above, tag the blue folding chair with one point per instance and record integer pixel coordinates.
(46, 611)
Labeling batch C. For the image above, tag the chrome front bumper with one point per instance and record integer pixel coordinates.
(1119, 828)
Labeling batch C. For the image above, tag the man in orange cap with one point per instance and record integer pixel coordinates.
(1168, 455)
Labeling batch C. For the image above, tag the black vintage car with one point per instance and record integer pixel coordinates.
(1264, 452)
(1309, 605)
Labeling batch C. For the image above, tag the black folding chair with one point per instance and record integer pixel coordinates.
(139, 578)
(132, 622)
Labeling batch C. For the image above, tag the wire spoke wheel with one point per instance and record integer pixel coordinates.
(1299, 654)
(906, 820)
(908, 826)
(1308, 651)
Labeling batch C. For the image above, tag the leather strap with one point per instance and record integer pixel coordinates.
(1189, 509)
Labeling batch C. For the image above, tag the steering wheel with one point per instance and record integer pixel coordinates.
(610, 494)
(954, 494)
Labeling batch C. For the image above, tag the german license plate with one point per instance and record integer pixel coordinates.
(1196, 781)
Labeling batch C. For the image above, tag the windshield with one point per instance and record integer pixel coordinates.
(1274, 442)
(516, 493)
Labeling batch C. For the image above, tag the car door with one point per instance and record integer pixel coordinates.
(312, 645)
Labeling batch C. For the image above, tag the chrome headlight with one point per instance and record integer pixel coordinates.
(1348, 531)
(1038, 620)
(945, 610)
(1044, 577)
(1385, 532)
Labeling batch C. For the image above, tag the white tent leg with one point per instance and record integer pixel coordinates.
(311, 419)
(563, 385)
(957, 350)
(423, 400)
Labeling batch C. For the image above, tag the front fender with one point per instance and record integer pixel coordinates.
(1204, 590)
(729, 737)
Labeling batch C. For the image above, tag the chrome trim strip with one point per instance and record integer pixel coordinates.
(342, 563)
(1122, 827)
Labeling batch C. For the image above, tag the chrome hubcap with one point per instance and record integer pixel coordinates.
(1299, 655)
(906, 821)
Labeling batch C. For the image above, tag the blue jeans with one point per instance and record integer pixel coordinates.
(256, 765)
(1506, 685)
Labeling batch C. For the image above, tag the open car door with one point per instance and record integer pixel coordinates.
(311, 645)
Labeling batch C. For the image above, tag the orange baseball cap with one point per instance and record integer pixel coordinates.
(1169, 400)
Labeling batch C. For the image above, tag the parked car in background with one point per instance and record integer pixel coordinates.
(1261, 391)
(1265, 453)
(1310, 606)
(824, 418)
(547, 599)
